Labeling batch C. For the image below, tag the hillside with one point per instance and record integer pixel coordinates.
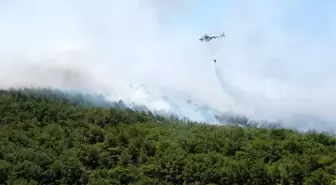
(48, 139)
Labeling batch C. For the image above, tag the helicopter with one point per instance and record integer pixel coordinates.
(207, 38)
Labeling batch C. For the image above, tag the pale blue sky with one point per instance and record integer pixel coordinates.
(315, 19)
(198, 15)
(311, 18)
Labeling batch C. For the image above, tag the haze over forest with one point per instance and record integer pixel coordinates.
(277, 59)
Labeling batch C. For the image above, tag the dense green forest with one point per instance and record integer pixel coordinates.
(47, 140)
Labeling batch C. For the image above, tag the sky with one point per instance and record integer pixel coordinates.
(280, 54)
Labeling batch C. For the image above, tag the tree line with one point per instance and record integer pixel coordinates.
(48, 139)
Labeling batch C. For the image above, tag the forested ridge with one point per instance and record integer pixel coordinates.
(46, 140)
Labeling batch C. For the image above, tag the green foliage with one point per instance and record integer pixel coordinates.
(45, 139)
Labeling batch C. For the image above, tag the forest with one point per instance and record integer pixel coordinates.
(47, 139)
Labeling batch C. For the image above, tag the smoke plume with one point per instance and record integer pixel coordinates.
(280, 57)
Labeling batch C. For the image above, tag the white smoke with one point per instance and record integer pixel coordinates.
(103, 46)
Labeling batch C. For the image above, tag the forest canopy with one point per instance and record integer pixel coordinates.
(47, 139)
